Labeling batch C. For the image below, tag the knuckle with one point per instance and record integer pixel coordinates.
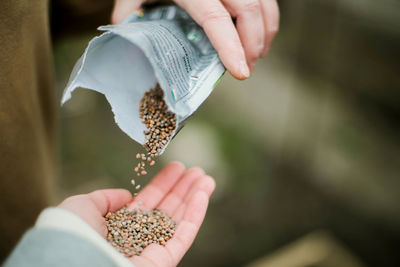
(273, 30)
(251, 5)
(233, 46)
(252, 55)
(215, 13)
(196, 170)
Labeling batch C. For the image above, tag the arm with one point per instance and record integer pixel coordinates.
(73, 234)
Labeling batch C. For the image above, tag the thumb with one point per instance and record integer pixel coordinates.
(123, 8)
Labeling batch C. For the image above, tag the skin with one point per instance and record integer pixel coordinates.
(181, 194)
(239, 46)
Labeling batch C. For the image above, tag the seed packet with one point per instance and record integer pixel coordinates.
(161, 45)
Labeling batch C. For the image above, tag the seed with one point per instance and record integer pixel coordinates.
(133, 182)
(152, 163)
(136, 169)
(132, 231)
(138, 156)
(138, 186)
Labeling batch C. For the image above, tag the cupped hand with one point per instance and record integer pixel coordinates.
(181, 194)
(239, 46)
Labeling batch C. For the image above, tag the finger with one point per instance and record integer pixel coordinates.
(172, 201)
(250, 26)
(179, 244)
(123, 8)
(158, 188)
(110, 199)
(270, 11)
(217, 23)
(187, 229)
(153, 255)
(205, 184)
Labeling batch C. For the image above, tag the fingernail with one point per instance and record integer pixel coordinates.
(261, 48)
(244, 69)
(252, 66)
(265, 51)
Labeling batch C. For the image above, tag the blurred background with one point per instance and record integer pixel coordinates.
(306, 153)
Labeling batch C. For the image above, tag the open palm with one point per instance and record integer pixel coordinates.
(182, 195)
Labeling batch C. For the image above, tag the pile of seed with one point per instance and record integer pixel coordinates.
(131, 231)
(160, 124)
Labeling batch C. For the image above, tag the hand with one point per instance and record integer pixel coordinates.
(257, 22)
(182, 195)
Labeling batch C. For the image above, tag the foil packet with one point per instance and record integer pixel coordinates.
(161, 45)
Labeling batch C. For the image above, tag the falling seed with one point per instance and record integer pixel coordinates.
(138, 186)
(133, 182)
